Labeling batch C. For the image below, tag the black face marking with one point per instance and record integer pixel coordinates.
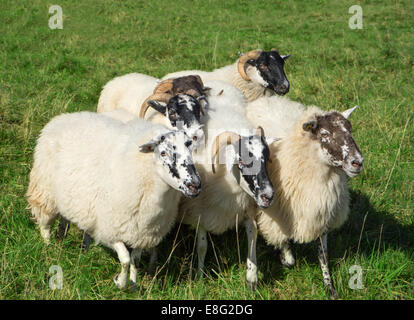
(187, 85)
(185, 109)
(252, 155)
(271, 68)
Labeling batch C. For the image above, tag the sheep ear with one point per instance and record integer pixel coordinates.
(348, 112)
(285, 57)
(148, 147)
(270, 140)
(311, 125)
(157, 106)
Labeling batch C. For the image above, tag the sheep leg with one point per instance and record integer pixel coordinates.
(86, 242)
(323, 260)
(153, 259)
(201, 250)
(286, 255)
(251, 275)
(135, 257)
(124, 257)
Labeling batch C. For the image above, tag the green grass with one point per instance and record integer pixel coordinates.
(45, 72)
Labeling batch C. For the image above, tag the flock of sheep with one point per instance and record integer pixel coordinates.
(209, 149)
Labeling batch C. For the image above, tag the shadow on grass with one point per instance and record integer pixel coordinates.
(365, 230)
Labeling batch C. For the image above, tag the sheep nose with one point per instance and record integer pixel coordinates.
(357, 163)
(266, 199)
(195, 187)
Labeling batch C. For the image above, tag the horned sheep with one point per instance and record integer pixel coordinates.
(173, 102)
(237, 184)
(120, 183)
(309, 169)
(256, 73)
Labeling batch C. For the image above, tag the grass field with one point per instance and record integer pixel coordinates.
(45, 72)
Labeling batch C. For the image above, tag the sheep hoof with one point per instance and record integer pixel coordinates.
(332, 294)
(121, 284)
(133, 287)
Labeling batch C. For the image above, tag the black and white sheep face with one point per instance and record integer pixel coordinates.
(268, 70)
(337, 146)
(174, 161)
(184, 112)
(251, 154)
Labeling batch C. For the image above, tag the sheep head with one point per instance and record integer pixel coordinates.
(265, 68)
(250, 154)
(173, 161)
(337, 147)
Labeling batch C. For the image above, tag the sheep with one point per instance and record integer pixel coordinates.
(309, 169)
(233, 188)
(257, 73)
(137, 92)
(121, 183)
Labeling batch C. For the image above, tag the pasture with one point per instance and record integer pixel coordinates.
(45, 72)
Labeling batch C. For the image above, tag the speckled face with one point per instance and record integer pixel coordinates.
(252, 154)
(173, 155)
(270, 67)
(183, 112)
(337, 145)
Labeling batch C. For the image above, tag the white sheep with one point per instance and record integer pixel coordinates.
(309, 169)
(120, 183)
(239, 182)
(256, 73)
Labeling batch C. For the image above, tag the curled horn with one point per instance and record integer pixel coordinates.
(254, 54)
(164, 86)
(162, 97)
(229, 136)
(260, 131)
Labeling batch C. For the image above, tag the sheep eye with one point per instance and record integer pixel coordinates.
(195, 138)
(163, 153)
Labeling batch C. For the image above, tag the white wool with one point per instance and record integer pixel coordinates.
(88, 168)
(120, 115)
(310, 198)
(275, 114)
(252, 90)
(128, 92)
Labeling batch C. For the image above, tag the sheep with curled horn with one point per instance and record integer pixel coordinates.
(257, 73)
(166, 89)
(232, 167)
